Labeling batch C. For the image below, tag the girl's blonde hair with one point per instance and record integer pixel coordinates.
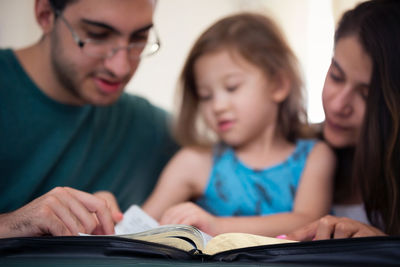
(258, 40)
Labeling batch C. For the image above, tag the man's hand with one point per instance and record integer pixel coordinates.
(334, 227)
(112, 204)
(61, 211)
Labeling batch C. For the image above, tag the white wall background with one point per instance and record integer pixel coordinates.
(308, 25)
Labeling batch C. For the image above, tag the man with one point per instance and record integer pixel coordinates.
(68, 128)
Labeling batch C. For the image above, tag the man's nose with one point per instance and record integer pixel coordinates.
(120, 64)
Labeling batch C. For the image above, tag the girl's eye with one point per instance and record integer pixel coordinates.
(231, 88)
(204, 95)
(204, 98)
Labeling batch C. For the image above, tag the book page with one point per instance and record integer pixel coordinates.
(137, 224)
(180, 236)
(230, 241)
(135, 220)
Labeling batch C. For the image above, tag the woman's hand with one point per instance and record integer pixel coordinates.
(334, 227)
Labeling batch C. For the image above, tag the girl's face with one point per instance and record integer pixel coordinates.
(236, 99)
(345, 92)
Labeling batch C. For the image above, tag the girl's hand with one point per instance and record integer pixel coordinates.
(334, 227)
(190, 214)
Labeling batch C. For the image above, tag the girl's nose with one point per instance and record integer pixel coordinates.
(220, 102)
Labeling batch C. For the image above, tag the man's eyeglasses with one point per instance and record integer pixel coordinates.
(103, 49)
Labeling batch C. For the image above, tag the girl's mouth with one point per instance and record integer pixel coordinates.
(225, 125)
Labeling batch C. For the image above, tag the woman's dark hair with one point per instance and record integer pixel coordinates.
(376, 24)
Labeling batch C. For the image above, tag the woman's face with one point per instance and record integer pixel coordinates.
(345, 92)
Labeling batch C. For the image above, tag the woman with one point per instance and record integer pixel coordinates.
(361, 99)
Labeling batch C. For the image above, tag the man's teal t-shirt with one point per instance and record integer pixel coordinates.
(121, 148)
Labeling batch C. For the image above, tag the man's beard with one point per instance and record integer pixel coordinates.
(64, 70)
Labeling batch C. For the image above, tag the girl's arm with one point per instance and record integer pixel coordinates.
(313, 200)
(184, 178)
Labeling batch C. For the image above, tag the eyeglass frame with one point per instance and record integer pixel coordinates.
(81, 43)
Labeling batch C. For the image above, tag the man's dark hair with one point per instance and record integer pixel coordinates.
(59, 5)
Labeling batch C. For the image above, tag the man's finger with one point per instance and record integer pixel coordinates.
(112, 203)
(76, 210)
(98, 206)
(53, 206)
(55, 227)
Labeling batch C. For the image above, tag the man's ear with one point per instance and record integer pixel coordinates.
(44, 15)
(281, 88)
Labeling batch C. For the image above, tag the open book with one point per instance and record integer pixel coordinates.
(139, 225)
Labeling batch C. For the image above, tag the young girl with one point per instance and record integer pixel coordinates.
(254, 173)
